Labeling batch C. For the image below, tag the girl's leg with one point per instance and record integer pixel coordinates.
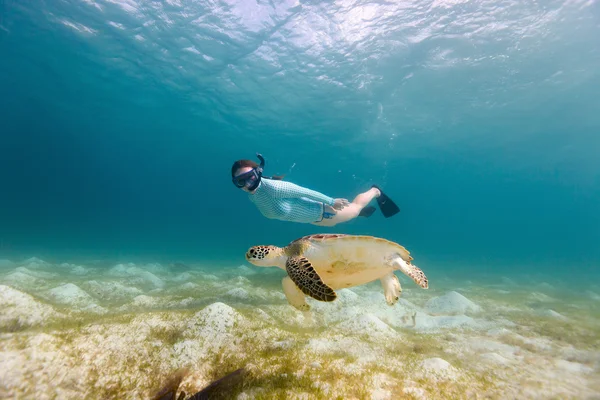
(352, 210)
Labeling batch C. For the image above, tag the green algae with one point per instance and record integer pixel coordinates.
(284, 371)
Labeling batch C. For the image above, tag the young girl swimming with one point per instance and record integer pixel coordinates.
(286, 201)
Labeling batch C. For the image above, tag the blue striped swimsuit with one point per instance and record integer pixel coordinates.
(287, 201)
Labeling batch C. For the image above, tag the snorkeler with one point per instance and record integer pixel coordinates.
(286, 201)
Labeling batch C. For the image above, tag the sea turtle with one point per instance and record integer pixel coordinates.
(319, 264)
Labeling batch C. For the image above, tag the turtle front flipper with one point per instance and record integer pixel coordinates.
(412, 271)
(301, 271)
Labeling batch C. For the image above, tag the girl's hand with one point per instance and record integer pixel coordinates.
(340, 204)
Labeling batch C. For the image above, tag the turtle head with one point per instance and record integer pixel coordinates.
(266, 256)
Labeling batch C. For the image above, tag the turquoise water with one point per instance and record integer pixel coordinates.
(120, 119)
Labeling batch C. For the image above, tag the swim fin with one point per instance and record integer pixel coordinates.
(386, 205)
(366, 211)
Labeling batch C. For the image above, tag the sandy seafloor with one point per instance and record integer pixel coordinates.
(97, 331)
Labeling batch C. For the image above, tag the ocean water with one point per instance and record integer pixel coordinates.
(122, 238)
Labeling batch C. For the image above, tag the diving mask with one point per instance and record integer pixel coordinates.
(250, 179)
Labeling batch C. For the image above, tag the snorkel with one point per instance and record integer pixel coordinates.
(262, 164)
(259, 172)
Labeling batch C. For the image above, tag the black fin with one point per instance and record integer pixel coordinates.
(169, 389)
(366, 211)
(223, 388)
(386, 205)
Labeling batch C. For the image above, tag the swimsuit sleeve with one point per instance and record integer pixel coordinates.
(291, 190)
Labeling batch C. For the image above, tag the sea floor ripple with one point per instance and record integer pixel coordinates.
(105, 332)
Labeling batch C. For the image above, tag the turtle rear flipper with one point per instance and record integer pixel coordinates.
(294, 295)
(301, 271)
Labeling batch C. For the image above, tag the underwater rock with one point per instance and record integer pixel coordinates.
(94, 308)
(213, 324)
(535, 344)
(507, 281)
(263, 316)
(546, 286)
(415, 392)
(349, 305)
(581, 356)
(552, 314)
(37, 274)
(593, 296)
(79, 270)
(366, 324)
(381, 394)
(495, 358)
(347, 297)
(34, 364)
(499, 332)
(540, 297)
(491, 346)
(189, 350)
(351, 346)
(244, 270)
(155, 268)
(272, 294)
(21, 310)
(239, 294)
(189, 286)
(286, 315)
(70, 294)
(335, 313)
(144, 301)
(345, 307)
(137, 275)
(573, 367)
(239, 281)
(6, 264)
(123, 270)
(379, 391)
(34, 263)
(183, 277)
(256, 294)
(21, 280)
(74, 269)
(402, 314)
(188, 301)
(439, 367)
(149, 277)
(451, 303)
(111, 290)
(424, 322)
